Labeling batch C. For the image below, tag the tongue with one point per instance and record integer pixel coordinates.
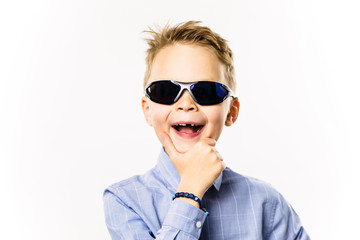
(186, 129)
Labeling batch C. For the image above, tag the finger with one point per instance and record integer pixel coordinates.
(218, 154)
(209, 141)
(168, 145)
(224, 165)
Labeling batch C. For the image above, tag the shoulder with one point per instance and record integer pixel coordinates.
(129, 183)
(135, 187)
(258, 195)
(247, 185)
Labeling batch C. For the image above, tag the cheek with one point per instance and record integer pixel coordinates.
(216, 120)
(159, 116)
(217, 116)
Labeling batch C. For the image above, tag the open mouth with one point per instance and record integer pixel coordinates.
(187, 128)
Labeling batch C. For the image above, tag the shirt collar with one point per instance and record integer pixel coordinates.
(170, 174)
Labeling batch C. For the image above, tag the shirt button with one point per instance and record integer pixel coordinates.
(198, 224)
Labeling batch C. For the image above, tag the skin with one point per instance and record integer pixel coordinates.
(195, 157)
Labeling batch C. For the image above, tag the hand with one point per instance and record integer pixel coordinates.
(198, 168)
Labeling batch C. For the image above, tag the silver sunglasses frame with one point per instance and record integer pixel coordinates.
(186, 86)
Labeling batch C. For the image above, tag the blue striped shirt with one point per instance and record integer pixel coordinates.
(240, 207)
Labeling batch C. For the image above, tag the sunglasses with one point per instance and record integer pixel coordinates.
(204, 92)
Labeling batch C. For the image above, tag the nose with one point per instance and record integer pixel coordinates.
(186, 102)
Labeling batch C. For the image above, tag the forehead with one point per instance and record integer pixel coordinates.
(187, 63)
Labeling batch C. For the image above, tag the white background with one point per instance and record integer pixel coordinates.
(70, 119)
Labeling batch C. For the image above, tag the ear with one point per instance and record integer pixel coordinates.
(233, 112)
(146, 110)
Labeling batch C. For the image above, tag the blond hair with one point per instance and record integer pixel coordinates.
(190, 32)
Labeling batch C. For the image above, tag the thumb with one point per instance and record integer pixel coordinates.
(168, 145)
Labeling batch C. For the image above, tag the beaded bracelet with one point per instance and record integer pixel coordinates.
(191, 196)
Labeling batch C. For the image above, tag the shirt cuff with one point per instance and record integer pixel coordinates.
(185, 217)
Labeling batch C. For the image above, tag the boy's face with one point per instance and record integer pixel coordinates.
(188, 63)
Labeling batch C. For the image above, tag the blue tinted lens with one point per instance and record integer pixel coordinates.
(209, 93)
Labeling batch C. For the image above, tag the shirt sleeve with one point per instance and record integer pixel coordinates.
(183, 221)
(285, 223)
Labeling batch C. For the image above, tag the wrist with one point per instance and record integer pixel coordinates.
(194, 200)
(191, 188)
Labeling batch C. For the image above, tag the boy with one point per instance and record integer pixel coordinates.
(190, 194)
